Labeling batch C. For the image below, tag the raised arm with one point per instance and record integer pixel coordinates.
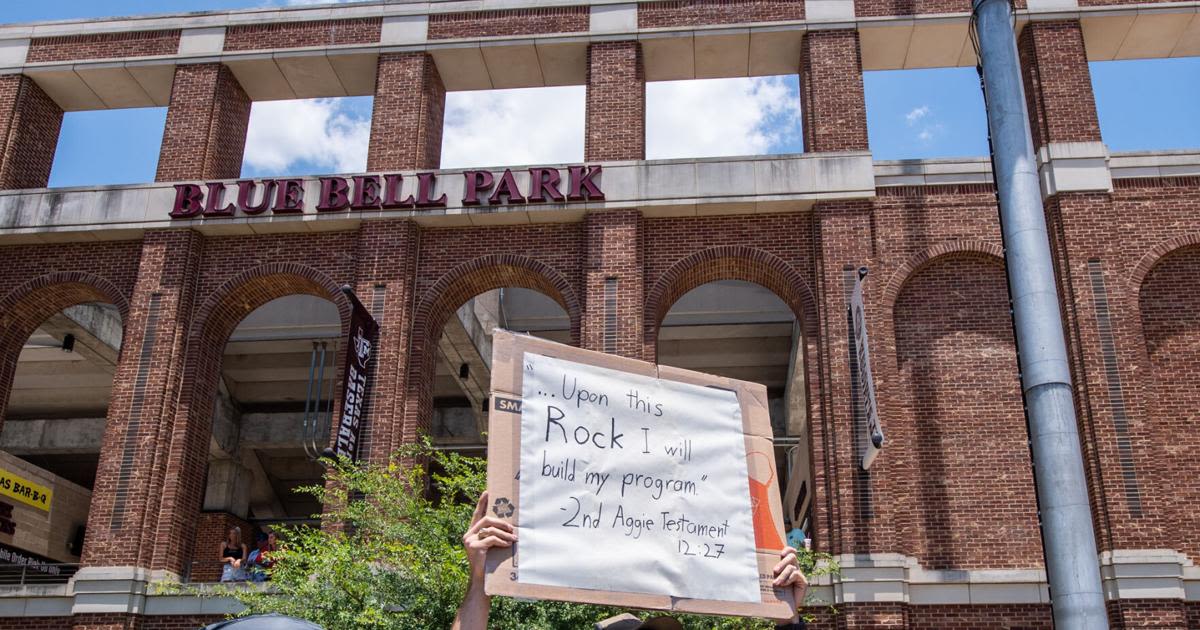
(485, 532)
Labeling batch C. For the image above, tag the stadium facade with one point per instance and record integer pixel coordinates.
(144, 413)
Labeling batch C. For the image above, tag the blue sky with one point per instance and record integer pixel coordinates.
(1143, 105)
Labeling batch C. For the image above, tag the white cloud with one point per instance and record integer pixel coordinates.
(917, 114)
(720, 117)
(507, 127)
(319, 132)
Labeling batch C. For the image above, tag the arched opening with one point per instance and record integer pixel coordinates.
(52, 435)
(272, 410)
(479, 293)
(960, 409)
(743, 330)
(464, 357)
(1169, 301)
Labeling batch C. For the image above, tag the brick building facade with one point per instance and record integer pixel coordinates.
(943, 530)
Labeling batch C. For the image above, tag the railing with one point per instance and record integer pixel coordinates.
(37, 573)
(210, 571)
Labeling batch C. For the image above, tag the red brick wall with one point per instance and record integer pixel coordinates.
(972, 501)
(1170, 308)
(613, 282)
(384, 277)
(410, 104)
(128, 496)
(1154, 614)
(29, 125)
(206, 565)
(1014, 616)
(178, 622)
(1058, 85)
(40, 280)
(454, 268)
(103, 46)
(834, 107)
(704, 12)
(301, 34)
(205, 133)
(35, 623)
(876, 8)
(616, 102)
(509, 22)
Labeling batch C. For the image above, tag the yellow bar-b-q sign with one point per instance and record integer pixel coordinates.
(25, 491)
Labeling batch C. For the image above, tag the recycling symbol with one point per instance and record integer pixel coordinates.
(503, 508)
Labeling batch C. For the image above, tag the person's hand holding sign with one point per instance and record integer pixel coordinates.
(485, 532)
(788, 573)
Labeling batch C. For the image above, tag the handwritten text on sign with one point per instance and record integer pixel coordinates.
(633, 484)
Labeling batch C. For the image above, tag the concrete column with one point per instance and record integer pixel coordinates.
(131, 480)
(616, 102)
(387, 254)
(831, 91)
(406, 123)
(614, 283)
(227, 488)
(29, 126)
(205, 133)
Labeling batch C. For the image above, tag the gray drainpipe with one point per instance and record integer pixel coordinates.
(1068, 537)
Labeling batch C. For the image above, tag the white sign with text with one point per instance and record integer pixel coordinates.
(634, 484)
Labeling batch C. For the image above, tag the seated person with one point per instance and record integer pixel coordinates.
(233, 556)
(260, 559)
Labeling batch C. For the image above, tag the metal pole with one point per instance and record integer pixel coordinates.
(1069, 541)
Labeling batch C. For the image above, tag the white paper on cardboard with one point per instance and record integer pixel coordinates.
(633, 484)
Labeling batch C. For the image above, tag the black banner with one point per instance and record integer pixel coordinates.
(359, 346)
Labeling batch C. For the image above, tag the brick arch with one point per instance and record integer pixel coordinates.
(911, 267)
(27, 306)
(452, 290)
(494, 271)
(1168, 301)
(728, 262)
(212, 324)
(955, 414)
(1151, 259)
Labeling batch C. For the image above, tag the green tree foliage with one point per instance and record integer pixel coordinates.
(389, 555)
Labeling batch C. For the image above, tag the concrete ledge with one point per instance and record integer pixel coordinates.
(1073, 167)
(1127, 574)
(1166, 29)
(1146, 573)
(740, 185)
(1155, 164)
(931, 172)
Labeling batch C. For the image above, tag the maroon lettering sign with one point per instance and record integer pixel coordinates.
(212, 200)
(359, 347)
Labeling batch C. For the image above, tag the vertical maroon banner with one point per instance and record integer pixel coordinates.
(359, 347)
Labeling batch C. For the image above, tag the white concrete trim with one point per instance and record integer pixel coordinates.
(829, 10)
(1038, 6)
(613, 18)
(884, 577)
(1145, 574)
(1073, 167)
(931, 172)
(1155, 164)
(13, 52)
(660, 188)
(201, 41)
(402, 30)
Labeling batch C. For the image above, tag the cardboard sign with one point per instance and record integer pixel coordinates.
(631, 484)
